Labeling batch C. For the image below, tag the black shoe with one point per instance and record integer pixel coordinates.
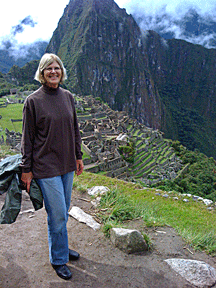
(73, 255)
(63, 271)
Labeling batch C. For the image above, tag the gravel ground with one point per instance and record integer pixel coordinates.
(24, 260)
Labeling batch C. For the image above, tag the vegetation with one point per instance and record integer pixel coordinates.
(127, 201)
(30, 52)
(5, 86)
(85, 155)
(12, 111)
(200, 177)
(128, 151)
(6, 151)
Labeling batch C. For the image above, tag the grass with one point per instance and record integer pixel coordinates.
(144, 158)
(85, 155)
(136, 132)
(6, 151)
(12, 111)
(127, 201)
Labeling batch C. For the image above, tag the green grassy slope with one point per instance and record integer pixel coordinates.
(126, 201)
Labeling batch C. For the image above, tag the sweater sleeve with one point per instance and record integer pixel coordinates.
(28, 134)
(78, 139)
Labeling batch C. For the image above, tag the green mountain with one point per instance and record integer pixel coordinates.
(184, 74)
(102, 49)
(26, 53)
(167, 85)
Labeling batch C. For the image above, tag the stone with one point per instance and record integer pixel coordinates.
(127, 240)
(173, 175)
(95, 202)
(97, 190)
(207, 202)
(83, 217)
(122, 138)
(196, 272)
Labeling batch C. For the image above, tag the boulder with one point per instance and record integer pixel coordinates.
(196, 272)
(129, 241)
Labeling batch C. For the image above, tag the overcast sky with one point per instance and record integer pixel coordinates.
(25, 21)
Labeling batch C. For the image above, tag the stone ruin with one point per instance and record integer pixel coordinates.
(99, 140)
(103, 131)
(13, 139)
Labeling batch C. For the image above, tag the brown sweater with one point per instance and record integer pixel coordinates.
(51, 140)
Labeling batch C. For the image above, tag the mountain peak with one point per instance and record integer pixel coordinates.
(101, 46)
(159, 82)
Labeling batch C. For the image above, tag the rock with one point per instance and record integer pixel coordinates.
(122, 137)
(97, 190)
(173, 175)
(129, 241)
(196, 272)
(83, 217)
(207, 202)
(95, 202)
(27, 211)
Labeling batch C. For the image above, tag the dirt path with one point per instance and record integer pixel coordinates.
(24, 258)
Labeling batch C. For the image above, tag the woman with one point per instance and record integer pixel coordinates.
(51, 152)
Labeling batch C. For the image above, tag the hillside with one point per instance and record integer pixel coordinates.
(185, 77)
(26, 263)
(117, 146)
(26, 53)
(166, 85)
(101, 46)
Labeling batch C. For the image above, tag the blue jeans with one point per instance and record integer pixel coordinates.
(57, 197)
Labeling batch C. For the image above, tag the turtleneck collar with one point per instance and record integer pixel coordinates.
(50, 90)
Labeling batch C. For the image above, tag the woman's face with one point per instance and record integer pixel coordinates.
(53, 75)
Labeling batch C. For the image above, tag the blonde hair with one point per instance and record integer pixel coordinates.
(45, 61)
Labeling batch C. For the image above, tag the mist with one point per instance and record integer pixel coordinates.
(193, 21)
(14, 53)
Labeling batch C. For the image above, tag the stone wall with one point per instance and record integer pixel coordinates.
(104, 130)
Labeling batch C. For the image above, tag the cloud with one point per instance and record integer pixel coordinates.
(21, 26)
(38, 18)
(191, 20)
(31, 51)
(10, 42)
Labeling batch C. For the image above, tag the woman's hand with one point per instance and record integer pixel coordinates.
(26, 178)
(80, 167)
